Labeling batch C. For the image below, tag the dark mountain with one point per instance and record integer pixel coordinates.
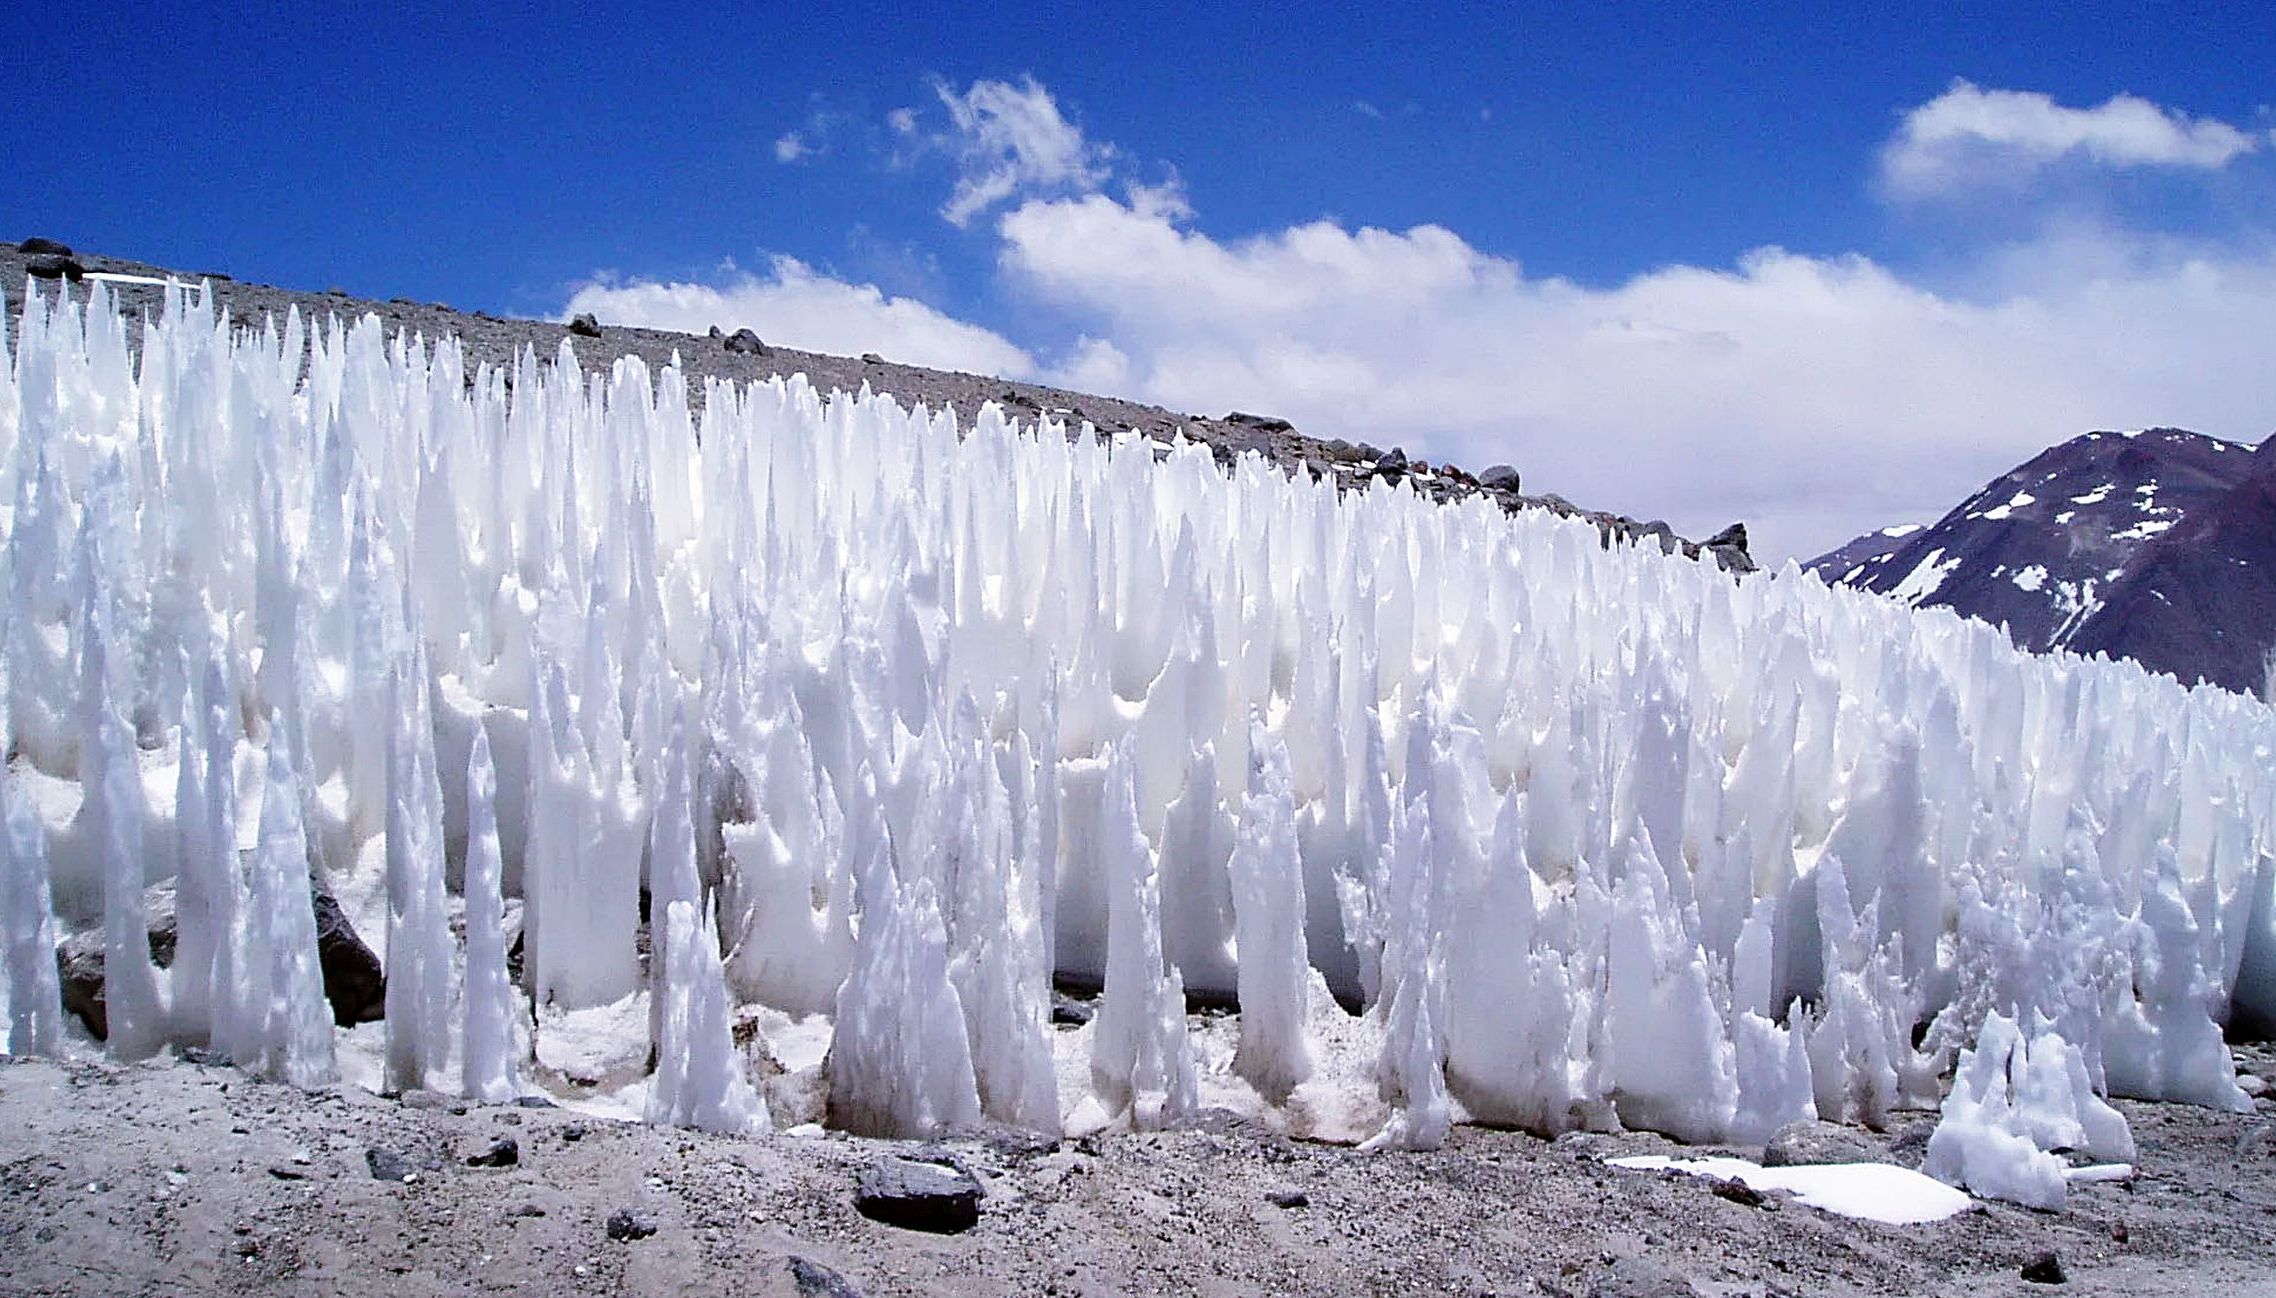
(2158, 546)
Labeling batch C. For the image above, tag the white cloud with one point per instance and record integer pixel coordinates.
(1812, 397)
(1367, 110)
(1970, 134)
(902, 120)
(795, 306)
(791, 147)
(1012, 142)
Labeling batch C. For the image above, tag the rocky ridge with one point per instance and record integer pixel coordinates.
(736, 353)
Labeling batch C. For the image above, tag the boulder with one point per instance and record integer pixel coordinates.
(872, 358)
(55, 267)
(1813, 1144)
(1261, 423)
(743, 342)
(584, 325)
(39, 247)
(353, 981)
(2044, 1268)
(917, 1195)
(1499, 477)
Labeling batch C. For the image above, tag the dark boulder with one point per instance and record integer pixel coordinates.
(584, 325)
(872, 358)
(2044, 1268)
(54, 267)
(1499, 477)
(353, 980)
(1734, 537)
(1261, 423)
(39, 247)
(919, 1196)
(743, 342)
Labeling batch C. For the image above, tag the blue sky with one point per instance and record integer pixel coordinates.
(1820, 271)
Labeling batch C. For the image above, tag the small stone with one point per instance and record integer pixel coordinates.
(584, 325)
(2044, 1268)
(1288, 1199)
(505, 1151)
(534, 1102)
(919, 1196)
(817, 1281)
(627, 1224)
(39, 247)
(1069, 1011)
(1737, 1191)
(872, 358)
(574, 1131)
(288, 1174)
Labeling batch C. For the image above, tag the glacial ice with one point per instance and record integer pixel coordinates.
(892, 717)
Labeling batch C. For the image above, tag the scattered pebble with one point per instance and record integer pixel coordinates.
(505, 1151)
(2044, 1268)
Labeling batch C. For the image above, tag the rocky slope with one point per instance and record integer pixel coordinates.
(2158, 546)
(497, 340)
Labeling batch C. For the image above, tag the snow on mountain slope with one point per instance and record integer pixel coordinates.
(2146, 545)
(950, 707)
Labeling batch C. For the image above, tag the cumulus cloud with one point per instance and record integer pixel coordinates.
(795, 306)
(790, 147)
(1811, 396)
(1012, 141)
(1969, 134)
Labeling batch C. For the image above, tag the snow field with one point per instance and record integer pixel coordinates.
(883, 719)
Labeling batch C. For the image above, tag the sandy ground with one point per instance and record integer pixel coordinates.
(175, 1177)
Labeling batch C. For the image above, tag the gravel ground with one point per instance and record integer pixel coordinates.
(175, 1177)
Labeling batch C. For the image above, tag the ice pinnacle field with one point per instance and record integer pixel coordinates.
(800, 745)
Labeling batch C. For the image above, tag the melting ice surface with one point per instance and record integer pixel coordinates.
(798, 745)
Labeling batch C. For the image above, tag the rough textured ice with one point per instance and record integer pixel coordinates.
(923, 710)
(2016, 1098)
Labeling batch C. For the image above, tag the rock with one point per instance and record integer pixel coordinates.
(1639, 1277)
(1811, 1144)
(629, 1224)
(919, 1196)
(2044, 1268)
(79, 965)
(872, 358)
(2252, 1084)
(353, 980)
(288, 1173)
(1734, 536)
(743, 342)
(1071, 1011)
(534, 1102)
(1288, 1198)
(387, 1165)
(584, 325)
(52, 267)
(1737, 1191)
(1499, 477)
(574, 1131)
(1261, 423)
(39, 247)
(505, 1151)
(817, 1281)
(717, 333)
